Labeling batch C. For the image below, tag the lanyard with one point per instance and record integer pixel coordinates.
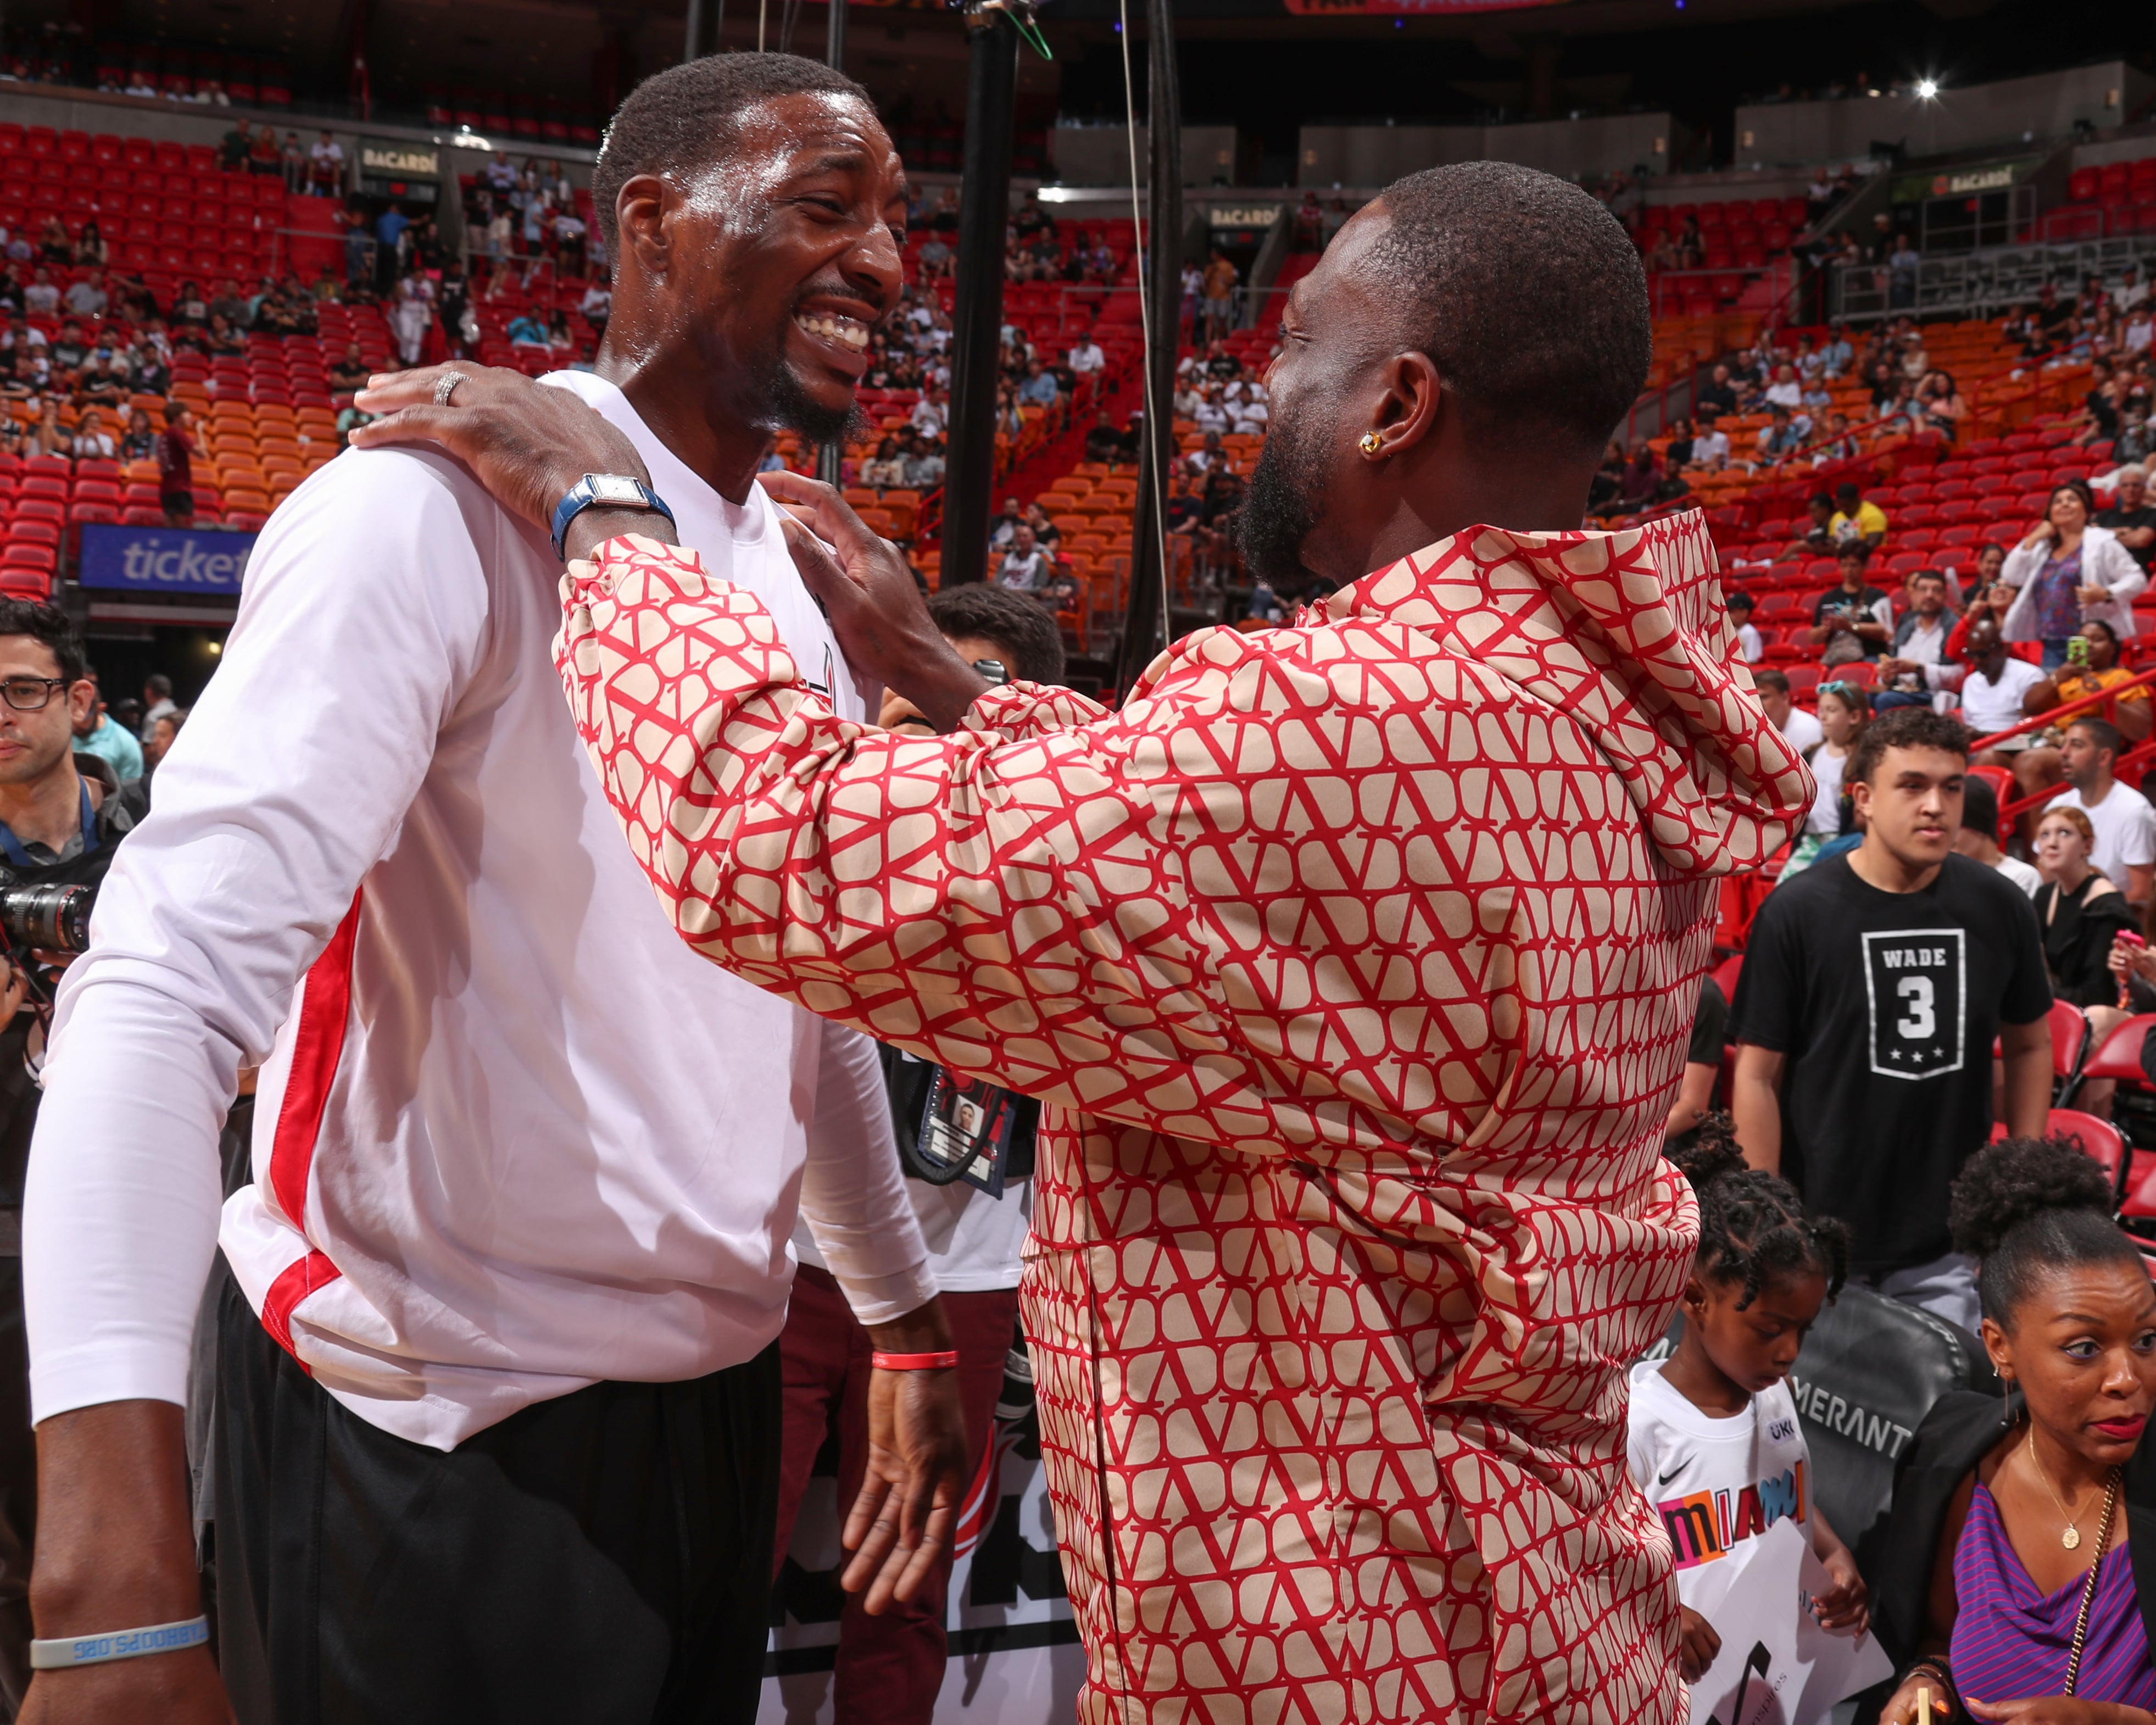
(12, 847)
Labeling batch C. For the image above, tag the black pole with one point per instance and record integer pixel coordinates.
(1145, 623)
(969, 473)
(829, 457)
(706, 22)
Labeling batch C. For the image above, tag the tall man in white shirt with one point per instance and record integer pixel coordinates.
(500, 1433)
(2125, 824)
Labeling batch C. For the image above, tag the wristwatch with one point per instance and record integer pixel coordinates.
(605, 490)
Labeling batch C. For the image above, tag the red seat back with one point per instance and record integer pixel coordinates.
(2118, 1055)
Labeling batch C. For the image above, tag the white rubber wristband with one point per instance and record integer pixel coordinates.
(121, 1644)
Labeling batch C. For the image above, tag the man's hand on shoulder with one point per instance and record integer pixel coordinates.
(528, 444)
(875, 607)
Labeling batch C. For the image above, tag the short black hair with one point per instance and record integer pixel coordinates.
(51, 625)
(2101, 732)
(1010, 619)
(1904, 727)
(1753, 1229)
(1855, 549)
(159, 684)
(686, 117)
(1776, 680)
(1937, 575)
(1739, 601)
(1847, 488)
(1822, 499)
(2027, 1206)
(1526, 294)
(1979, 807)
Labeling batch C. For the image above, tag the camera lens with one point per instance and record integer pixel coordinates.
(51, 919)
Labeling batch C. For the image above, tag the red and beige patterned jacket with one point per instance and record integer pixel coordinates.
(1354, 963)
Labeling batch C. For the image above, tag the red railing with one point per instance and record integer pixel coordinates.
(2143, 752)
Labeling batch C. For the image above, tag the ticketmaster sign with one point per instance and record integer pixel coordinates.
(166, 560)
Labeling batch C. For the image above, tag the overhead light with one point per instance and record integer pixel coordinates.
(1927, 90)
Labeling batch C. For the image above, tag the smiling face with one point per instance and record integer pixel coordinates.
(773, 264)
(2082, 1346)
(2067, 512)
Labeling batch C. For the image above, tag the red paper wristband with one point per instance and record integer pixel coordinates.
(914, 1361)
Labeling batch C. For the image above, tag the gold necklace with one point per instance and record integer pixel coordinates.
(2071, 1538)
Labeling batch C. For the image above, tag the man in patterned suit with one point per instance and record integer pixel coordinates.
(1352, 961)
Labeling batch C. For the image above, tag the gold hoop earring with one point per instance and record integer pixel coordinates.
(1371, 444)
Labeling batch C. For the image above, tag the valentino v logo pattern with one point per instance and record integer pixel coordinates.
(1354, 963)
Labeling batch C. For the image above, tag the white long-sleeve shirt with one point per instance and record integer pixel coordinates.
(512, 1135)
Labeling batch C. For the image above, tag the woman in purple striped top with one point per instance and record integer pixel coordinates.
(2017, 1627)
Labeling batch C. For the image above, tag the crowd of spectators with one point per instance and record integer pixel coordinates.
(1791, 384)
(532, 212)
(115, 343)
(1998, 635)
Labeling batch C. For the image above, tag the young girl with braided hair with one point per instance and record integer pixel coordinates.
(1715, 1442)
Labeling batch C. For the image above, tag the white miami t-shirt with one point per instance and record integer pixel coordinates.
(1715, 1483)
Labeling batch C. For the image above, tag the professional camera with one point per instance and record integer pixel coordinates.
(50, 918)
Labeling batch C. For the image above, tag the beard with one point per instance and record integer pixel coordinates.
(791, 408)
(1279, 508)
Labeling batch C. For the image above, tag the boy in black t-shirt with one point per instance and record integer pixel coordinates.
(1873, 986)
(1854, 620)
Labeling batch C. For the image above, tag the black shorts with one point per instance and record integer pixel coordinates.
(604, 1558)
(179, 502)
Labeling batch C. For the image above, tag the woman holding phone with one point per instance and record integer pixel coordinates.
(2067, 570)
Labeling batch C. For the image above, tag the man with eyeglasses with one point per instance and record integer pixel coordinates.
(63, 812)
